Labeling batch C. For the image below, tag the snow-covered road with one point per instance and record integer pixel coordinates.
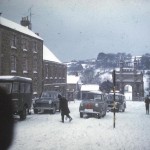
(46, 132)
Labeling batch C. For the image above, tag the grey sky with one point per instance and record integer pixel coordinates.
(80, 29)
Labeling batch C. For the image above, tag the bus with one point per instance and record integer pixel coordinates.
(20, 90)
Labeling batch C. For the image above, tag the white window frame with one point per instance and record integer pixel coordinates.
(24, 44)
(35, 66)
(13, 41)
(46, 71)
(25, 65)
(13, 64)
(34, 47)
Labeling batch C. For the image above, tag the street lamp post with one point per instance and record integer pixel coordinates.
(114, 84)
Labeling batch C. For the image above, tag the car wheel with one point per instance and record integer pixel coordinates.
(35, 111)
(98, 116)
(104, 113)
(123, 110)
(23, 113)
(81, 115)
(29, 112)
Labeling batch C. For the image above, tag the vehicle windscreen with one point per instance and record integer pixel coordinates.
(92, 96)
(7, 86)
(48, 95)
(117, 98)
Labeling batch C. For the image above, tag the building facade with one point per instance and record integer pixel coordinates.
(55, 72)
(130, 76)
(22, 54)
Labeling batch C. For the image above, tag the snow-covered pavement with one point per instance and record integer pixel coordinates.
(46, 132)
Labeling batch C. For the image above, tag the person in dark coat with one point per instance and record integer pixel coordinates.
(6, 120)
(64, 108)
(147, 101)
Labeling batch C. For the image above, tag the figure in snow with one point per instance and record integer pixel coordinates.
(64, 108)
(147, 101)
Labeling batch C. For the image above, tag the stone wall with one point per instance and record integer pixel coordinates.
(7, 50)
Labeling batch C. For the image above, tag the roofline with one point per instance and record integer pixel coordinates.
(22, 33)
(21, 27)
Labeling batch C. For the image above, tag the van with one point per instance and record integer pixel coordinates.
(93, 104)
(20, 90)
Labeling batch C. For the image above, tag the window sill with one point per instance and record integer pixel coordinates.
(13, 71)
(25, 50)
(25, 71)
(13, 47)
(34, 52)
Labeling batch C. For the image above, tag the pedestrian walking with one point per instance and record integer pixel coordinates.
(147, 101)
(64, 108)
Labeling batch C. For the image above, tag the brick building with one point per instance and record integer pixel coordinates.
(21, 54)
(55, 72)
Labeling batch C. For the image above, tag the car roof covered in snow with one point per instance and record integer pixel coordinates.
(95, 92)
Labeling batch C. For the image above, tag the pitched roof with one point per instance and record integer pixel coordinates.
(15, 26)
(48, 55)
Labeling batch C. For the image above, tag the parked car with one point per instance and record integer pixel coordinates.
(47, 102)
(120, 102)
(93, 104)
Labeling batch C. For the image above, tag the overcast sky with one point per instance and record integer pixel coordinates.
(80, 29)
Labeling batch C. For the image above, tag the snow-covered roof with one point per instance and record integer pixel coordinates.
(90, 87)
(10, 24)
(48, 55)
(72, 79)
(7, 77)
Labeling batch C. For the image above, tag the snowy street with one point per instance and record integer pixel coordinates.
(46, 132)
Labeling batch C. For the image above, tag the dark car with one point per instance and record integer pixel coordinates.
(93, 104)
(120, 102)
(47, 102)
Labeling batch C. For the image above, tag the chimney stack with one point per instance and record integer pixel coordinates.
(25, 22)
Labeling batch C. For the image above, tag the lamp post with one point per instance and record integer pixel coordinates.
(114, 84)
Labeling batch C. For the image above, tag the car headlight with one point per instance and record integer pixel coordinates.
(96, 104)
(50, 102)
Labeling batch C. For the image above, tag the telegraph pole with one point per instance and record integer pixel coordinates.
(114, 84)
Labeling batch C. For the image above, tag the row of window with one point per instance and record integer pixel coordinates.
(54, 72)
(24, 87)
(14, 87)
(25, 43)
(24, 64)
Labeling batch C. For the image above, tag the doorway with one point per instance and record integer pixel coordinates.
(128, 92)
